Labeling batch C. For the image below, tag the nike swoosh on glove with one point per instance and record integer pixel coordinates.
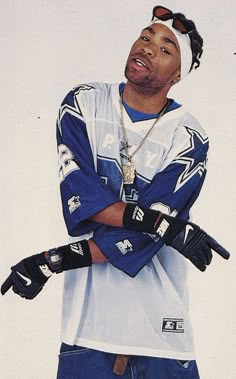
(196, 245)
(28, 277)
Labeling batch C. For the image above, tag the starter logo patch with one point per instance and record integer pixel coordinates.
(174, 325)
(124, 246)
(74, 203)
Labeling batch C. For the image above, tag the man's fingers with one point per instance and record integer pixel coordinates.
(6, 285)
(198, 263)
(218, 248)
(208, 256)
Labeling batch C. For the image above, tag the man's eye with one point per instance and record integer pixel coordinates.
(165, 51)
(146, 39)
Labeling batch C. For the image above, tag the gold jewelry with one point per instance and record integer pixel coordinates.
(129, 169)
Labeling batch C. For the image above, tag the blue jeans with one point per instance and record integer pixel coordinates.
(77, 362)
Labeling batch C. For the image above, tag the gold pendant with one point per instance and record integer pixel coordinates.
(128, 173)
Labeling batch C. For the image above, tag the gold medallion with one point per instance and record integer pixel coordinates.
(128, 169)
(128, 173)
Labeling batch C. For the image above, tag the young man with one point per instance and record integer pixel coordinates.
(131, 164)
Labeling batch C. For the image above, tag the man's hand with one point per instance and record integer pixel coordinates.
(188, 238)
(28, 277)
(197, 245)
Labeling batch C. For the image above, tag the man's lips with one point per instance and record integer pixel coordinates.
(140, 61)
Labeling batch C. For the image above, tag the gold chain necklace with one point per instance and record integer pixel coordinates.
(129, 169)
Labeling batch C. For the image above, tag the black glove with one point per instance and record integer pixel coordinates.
(197, 245)
(184, 236)
(29, 275)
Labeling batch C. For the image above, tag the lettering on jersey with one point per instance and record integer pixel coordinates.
(73, 203)
(162, 228)
(109, 141)
(150, 157)
(124, 246)
(138, 214)
(66, 162)
(192, 164)
(173, 325)
(131, 196)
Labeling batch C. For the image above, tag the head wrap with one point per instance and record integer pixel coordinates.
(184, 46)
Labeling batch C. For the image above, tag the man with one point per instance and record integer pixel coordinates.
(131, 165)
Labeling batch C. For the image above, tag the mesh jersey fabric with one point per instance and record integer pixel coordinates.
(103, 307)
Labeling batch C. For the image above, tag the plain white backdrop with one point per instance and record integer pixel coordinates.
(47, 47)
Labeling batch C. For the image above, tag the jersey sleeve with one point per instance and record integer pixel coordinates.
(83, 193)
(172, 191)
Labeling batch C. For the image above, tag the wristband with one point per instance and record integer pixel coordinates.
(154, 222)
(75, 255)
(68, 257)
(141, 219)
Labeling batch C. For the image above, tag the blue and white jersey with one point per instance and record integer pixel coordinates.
(137, 303)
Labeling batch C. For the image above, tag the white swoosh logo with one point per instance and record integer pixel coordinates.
(187, 230)
(28, 281)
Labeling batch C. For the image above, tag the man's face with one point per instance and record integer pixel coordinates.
(154, 59)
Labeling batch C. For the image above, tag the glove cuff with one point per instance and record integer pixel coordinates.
(177, 225)
(38, 268)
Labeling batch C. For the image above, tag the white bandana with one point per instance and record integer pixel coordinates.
(184, 45)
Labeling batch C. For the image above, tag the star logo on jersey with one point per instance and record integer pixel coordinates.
(71, 105)
(190, 162)
(74, 203)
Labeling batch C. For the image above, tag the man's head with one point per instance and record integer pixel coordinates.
(165, 51)
(186, 34)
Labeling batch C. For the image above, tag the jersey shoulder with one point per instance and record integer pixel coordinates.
(190, 121)
(89, 90)
(86, 99)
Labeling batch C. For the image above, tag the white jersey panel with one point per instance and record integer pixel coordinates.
(103, 308)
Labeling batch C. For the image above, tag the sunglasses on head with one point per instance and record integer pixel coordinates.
(164, 14)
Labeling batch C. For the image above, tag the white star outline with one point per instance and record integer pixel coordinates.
(74, 111)
(190, 169)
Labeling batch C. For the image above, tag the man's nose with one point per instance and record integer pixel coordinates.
(148, 50)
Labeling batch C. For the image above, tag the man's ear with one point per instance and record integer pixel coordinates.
(176, 77)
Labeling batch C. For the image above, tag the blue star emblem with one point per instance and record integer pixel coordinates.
(189, 157)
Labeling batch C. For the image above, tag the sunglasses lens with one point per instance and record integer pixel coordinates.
(182, 26)
(161, 12)
(164, 14)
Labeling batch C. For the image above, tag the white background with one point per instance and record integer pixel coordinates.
(47, 47)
